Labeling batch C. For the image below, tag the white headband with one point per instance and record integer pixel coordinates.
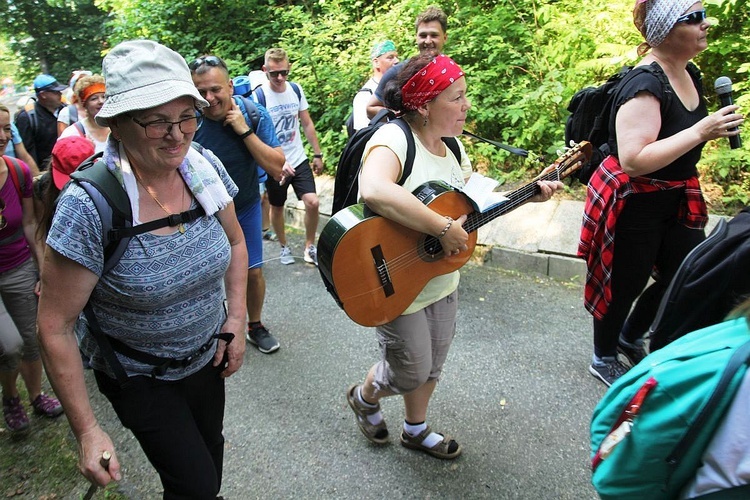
(661, 18)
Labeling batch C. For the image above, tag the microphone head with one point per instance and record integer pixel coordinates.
(723, 85)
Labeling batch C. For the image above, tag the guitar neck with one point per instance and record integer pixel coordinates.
(514, 200)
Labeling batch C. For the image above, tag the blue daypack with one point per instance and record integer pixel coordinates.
(650, 430)
(260, 96)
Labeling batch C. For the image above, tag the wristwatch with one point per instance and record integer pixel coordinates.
(318, 156)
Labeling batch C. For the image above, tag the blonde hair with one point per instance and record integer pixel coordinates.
(276, 54)
(84, 82)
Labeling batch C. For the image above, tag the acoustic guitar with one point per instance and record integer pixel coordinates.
(375, 267)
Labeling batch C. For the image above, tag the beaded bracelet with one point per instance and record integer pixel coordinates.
(445, 229)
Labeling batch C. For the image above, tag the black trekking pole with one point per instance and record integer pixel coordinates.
(510, 149)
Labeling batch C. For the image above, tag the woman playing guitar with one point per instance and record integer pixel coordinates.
(430, 95)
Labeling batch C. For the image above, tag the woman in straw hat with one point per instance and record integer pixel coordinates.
(163, 300)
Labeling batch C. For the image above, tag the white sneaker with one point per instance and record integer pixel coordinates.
(286, 256)
(311, 255)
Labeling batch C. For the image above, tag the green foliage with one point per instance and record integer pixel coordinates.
(524, 59)
(53, 36)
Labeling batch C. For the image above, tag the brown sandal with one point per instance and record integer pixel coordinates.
(376, 433)
(447, 449)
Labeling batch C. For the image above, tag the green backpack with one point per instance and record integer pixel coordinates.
(650, 430)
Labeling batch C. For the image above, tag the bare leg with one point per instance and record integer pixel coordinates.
(311, 217)
(256, 293)
(277, 221)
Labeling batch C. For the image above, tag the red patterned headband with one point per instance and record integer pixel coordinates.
(438, 75)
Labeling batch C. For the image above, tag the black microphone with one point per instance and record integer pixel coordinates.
(723, 87)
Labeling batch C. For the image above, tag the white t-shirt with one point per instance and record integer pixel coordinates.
(359, 105)
(72, 130)
(426, 167)
(284, 109)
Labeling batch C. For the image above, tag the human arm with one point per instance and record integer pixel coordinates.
(235, 283)
(308, 127)
(380, 191)
(374, 105)
(270, 158)
(29, 221)
(21, 152)
(638, 123)
(66, 287)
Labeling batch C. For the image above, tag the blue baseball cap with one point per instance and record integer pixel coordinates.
(47, 83)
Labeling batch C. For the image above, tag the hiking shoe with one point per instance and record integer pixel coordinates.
(311, 255)
(608, 372)
(47, 406)
(262, 339)
(633, 353)
(269, 235)
(375, 433)
(15, 415)
(286, 256)
(447, 449)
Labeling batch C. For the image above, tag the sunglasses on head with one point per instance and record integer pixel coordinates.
(275, 74)
(695, 17)
(209, 60)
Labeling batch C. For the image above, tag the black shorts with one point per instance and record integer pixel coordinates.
(302, 182)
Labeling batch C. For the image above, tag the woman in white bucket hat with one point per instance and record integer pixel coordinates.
(160, 308)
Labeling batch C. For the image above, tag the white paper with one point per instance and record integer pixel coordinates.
(481, 192)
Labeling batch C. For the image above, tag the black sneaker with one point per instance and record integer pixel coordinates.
(634, 354)
(608, 372)
(262, 339)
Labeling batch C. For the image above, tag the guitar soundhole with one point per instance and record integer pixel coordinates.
(430, 249)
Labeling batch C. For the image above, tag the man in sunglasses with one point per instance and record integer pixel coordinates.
(241, 148)
(289, 109)
(37, 124)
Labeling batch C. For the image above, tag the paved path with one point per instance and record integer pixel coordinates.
(516, 394)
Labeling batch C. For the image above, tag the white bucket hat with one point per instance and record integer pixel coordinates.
(142, 74)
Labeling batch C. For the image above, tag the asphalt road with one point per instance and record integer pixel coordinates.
(515, 393)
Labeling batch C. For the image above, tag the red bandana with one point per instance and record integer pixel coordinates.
(423, 87)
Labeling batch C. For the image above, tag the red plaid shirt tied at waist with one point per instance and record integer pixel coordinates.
(608, 190)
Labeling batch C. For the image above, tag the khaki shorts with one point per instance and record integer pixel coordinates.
(414, 346)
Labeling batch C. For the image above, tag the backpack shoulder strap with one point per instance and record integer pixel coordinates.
(15, 171)
(112, 204)
(250, 110)
(260, 96)
(452, 144)
(297, 90)
(81, 130)
(410, 150)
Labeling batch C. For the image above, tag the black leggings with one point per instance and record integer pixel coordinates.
(648, 234)
(179, 427)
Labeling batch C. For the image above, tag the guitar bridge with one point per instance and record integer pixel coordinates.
(381, 267)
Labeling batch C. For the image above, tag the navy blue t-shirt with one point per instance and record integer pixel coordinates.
(231, 150)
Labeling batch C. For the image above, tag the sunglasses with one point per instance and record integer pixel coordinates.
(3, 220)
(208, 60)
(275, 74)
(695, 17)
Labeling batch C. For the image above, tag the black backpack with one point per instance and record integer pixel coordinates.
(712, 279)
(591, 110)
(346, 184)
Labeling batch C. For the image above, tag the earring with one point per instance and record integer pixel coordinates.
(425, 122)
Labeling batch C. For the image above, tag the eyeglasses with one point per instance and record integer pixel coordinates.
(159, 129)
(209, 60)
(3, 220)
(695, 17)
(275, 74)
